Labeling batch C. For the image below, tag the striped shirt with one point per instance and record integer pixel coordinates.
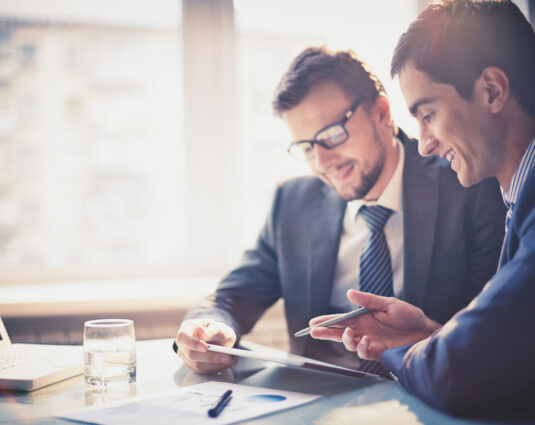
(519, 178)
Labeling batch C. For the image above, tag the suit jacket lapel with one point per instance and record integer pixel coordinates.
(325, 231)
(420, 207)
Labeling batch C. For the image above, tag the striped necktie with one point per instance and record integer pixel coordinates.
(375, 267)
(375, 263)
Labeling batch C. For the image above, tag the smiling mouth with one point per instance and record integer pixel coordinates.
(341, 172)
(450, 155)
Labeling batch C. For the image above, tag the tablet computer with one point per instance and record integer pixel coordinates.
(255, 351)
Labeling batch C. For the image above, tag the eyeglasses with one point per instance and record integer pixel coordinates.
(328, 137)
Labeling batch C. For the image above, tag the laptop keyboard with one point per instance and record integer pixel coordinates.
(14, 355)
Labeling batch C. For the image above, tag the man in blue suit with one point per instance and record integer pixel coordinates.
(467, 73)
(442, 240)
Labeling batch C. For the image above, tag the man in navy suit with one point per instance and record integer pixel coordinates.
(443, 239)
(467, 72)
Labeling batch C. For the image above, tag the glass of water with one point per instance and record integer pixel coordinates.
(109, 353)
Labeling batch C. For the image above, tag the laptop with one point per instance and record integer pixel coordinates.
(29, 366)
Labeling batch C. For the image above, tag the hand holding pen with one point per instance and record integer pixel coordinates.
(391, 323)
(326, 321)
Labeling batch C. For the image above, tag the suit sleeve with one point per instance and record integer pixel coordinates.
(487, 233)
(252, 287)
(482, 360)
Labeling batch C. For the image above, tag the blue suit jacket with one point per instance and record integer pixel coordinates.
(452, 240)
(483, 360)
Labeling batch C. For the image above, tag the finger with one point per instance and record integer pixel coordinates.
(366, 299)
(331, 334)
(320, 319)
(200, 332)
(221, 334)
(215, 332)
(350, 340)
(190, 325)
(190, 365)
(185, 340)
(363, 349)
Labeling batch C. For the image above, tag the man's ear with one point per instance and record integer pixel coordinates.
(494, 86)
(382, 109)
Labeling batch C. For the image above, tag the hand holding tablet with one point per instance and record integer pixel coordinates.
(287, 359)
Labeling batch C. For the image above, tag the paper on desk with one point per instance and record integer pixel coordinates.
(190, 404)
(383, 413)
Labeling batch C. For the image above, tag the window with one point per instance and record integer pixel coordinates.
(136, 136)
(91, 138)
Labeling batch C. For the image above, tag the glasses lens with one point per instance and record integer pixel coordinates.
(333, 136)
(301, 150)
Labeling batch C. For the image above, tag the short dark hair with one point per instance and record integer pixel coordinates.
(315, 65)
(452, 42)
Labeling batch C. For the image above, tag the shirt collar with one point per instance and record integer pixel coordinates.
(520, 176)
(392, 193)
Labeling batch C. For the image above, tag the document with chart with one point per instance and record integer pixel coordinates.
(191, 405)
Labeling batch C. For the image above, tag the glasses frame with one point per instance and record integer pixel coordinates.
(298, 153)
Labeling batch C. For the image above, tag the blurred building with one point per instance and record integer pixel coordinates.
(90, 125)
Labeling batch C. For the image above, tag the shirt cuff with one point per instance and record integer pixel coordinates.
(393, 360)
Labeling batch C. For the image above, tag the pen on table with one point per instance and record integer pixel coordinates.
(220, 404)
(333, 321)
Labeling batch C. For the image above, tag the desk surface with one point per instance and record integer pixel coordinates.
(159, 369)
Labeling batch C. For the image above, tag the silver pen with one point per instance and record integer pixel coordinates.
(334, 320)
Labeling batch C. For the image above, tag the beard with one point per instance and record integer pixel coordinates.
(367, 172)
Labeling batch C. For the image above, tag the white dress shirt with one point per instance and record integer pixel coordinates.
(356, 232)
